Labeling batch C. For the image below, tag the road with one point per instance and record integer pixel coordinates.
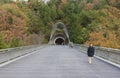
(58, 62)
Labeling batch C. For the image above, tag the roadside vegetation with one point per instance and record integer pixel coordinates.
(88, 21)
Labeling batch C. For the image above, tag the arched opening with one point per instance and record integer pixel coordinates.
(59, 34)
(59, 41)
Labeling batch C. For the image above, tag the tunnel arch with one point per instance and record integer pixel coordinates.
(59, 34)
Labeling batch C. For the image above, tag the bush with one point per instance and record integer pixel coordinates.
(2, 43)
(15, 42)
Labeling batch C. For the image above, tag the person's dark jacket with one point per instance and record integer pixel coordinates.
(90, 51)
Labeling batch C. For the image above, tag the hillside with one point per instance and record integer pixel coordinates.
(88, 21)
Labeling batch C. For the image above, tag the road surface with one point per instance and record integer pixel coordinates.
(58, 62)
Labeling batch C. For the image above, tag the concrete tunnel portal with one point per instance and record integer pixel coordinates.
(59, 34)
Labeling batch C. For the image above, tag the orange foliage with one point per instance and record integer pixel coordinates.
(98, 39)
(114, 11)
(95, 2)
(112, 1)
(89, 6)
(107, 33)
(11, 25)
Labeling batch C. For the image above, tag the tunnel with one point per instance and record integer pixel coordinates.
(59, 34)
(59, 41)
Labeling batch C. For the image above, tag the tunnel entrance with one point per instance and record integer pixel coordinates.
(59, 41)
(59, 34)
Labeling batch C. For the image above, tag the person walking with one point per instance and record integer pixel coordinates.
(90, 53)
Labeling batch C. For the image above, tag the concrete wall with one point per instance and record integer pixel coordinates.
(110, 54)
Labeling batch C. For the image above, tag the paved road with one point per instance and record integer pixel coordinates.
(58, 62)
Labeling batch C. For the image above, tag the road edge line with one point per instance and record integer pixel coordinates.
(18, 58)
(107, 61)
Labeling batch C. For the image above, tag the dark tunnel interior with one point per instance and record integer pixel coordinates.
(59, 41)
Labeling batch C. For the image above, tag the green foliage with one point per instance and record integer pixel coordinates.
(2, 43)
(78, 34)
(15, 42)
(9, 20)
(5, 1)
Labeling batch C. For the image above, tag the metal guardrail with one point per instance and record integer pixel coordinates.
(12, 53)
(109, 54)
